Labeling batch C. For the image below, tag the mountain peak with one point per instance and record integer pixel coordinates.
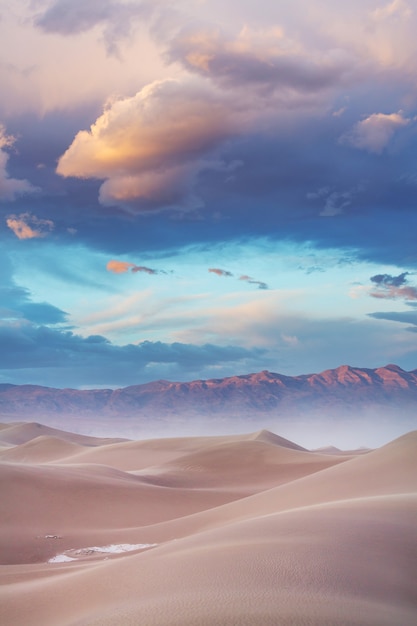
(393, 368)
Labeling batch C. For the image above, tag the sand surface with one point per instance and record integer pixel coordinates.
(230, 530)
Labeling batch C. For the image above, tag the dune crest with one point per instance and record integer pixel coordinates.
(238, 529)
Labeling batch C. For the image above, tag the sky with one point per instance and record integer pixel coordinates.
(197, 189)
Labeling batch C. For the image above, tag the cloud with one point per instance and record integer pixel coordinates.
(375, 132)
(10, 188)
(16, 304)
(392, 293)
(335, 204)
(250, 280)
(71, 17)
(146, 270)
(148, 148)
(265, 59)
(39, 351)
(28, 226)
(219, 272)
(388, 280)
(393, 287)
(404, 317)
(396, 8)
(120, 267)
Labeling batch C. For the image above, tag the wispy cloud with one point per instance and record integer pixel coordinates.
(244, 277)
(249, 279)
(121, 267)
(220, 272)
(28, 226)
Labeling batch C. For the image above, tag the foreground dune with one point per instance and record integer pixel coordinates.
(240, 530)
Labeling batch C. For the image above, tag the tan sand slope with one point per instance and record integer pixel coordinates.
(22, 432)
(247, 530)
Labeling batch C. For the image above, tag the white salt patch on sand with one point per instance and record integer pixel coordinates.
(61, 558)
(113, 548)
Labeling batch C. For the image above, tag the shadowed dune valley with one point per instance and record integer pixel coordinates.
(237, 530)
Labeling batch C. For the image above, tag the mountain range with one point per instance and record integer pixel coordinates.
(336, 391)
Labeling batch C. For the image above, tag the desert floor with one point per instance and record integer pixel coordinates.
(230, 530)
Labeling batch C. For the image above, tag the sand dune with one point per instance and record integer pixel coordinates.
(22, 432)
(234, 530)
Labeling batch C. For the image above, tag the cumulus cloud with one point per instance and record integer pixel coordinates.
(259, 58)
(149, 147)
(393, 287)
(10, 188)
(28, 226)
(70, 17)
(220, 272)
(375, 132)
(121, 267)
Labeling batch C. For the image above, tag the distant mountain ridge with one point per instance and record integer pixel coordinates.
(247, 395)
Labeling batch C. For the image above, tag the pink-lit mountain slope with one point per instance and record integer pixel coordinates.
(340, 390)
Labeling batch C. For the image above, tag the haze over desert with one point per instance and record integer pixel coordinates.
(247, 529)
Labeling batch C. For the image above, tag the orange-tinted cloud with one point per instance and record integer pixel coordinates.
(149, 146)
(120, 267)
(27, 226)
